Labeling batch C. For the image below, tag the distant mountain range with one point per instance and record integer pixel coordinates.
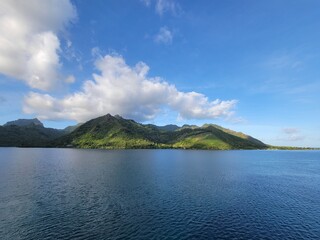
(115, 132)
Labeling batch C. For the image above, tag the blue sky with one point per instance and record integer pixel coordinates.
(165, 61)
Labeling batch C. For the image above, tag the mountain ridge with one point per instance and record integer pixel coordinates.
(24, 122)
(30, 135)
(115, 132)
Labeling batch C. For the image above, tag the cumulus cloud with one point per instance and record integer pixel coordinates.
(292, 134)
(127, 91)
(164, 36)
(29, 46)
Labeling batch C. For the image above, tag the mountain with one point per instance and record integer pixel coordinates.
(110, 132)
(70, 129)
(27, 133)
(24, 122)
(169, 127)
(115, 132)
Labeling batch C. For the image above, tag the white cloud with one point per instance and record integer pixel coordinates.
(69, 43)
(96, 52)
(70, 53)
(29, 46)
(291, 134)
(127, 91)
(164, 36)
(284, 61)
(146, 2)
(70, 79)
(163, 6)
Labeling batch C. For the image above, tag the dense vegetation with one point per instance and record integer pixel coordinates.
(27, 133)
(114, 132)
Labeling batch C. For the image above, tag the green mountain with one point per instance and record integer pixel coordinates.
(115, 132)
(27, 133)
(24, 122)
(170, 127)
(70, 129)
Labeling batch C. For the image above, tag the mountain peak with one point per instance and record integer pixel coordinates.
(115, 132)
(24, 122)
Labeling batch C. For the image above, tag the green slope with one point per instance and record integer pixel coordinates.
(115, 132)
(27, 136)
(109, 132)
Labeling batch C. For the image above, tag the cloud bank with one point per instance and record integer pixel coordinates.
(29, 46)
(127, 91)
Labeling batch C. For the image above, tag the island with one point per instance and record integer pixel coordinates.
(116, 132)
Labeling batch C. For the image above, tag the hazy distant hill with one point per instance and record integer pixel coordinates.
(30, 135)
(24, 122)
(113, 132)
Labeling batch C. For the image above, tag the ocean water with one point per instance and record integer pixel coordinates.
(159, 194)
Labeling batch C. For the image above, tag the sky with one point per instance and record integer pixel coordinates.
(251, 66)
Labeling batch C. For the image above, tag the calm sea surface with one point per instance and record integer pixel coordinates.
(159, 194)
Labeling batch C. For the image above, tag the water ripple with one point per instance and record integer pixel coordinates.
(159, 194)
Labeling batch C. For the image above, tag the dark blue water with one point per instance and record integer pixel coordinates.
(159, 194)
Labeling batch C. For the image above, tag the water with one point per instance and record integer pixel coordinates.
(159, 194)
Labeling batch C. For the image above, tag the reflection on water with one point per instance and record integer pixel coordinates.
(157, 194)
